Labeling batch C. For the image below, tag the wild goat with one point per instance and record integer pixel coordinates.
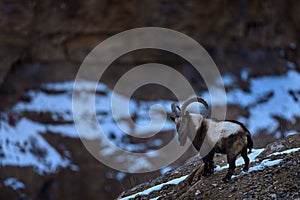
(227, 137)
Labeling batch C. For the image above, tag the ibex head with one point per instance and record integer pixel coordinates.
(181, 117)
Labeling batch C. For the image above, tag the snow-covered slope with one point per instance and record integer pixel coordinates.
(22, 143)
(268, 98)
(49, 110)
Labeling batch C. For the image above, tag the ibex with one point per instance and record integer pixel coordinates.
(229, 137)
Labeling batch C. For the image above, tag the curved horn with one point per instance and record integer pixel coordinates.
(174, 106)
(192, 100)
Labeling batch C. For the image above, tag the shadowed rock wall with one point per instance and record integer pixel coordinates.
(55, 36)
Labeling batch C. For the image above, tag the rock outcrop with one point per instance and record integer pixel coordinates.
(274, 174)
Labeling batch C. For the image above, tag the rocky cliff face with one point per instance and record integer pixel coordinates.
(57, 35)
(46, 41)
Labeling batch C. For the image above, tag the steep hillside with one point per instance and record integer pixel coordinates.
(41, 148)
(273, 174)
(255, 45)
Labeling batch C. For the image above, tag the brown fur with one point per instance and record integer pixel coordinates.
(233, 145)
(234, 140)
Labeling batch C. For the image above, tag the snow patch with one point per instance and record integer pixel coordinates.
(285, 152)
(227, 79)
(155, 198)
(14, 183)
(156, 187)
(240, 161)
(119, 175)
(22, 145)
(245, 74)
(269, 97)
(263, 164)
(165, 169)
(290, 65)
